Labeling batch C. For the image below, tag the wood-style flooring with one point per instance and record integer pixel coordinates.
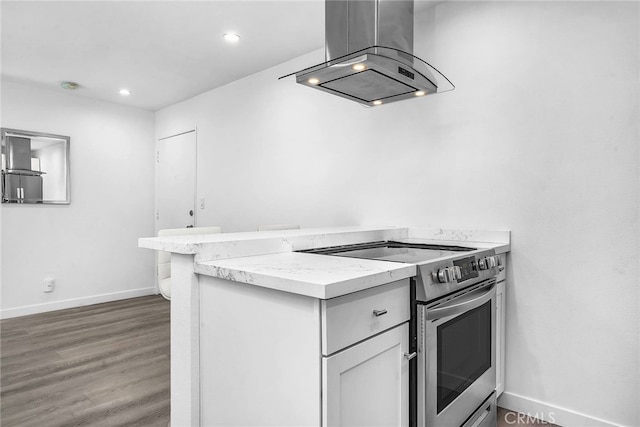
(99, 365)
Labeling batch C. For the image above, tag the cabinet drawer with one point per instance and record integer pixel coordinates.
(352, 318)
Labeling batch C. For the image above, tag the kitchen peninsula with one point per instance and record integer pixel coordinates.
(264, 335)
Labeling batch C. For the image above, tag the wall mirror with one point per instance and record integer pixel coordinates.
(35, 167)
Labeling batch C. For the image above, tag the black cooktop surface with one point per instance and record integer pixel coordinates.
(392, 251)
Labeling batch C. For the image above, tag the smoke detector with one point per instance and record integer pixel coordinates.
(69, 85)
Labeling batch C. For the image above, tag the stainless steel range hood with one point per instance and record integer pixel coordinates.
(369, 54)
(19, 156)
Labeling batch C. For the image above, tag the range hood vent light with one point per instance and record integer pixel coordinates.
(369, 54)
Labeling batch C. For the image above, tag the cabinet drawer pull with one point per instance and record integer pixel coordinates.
(410, 356)
(379, 313)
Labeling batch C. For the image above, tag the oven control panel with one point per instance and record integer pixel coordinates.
(461, 270)
(439, 278)
(465, 269)
(468, 267)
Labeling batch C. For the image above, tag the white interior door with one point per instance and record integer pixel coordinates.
(176, 190)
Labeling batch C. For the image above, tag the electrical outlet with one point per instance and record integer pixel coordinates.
(201, 202)
(48, 285)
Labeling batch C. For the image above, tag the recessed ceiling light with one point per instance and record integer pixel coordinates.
(358, 67)
(125, 92)
(420, 93)
(69, 85)
(231, 37)
(377, 102)
(313, 81)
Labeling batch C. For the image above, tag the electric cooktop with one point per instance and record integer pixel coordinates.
(412, 253)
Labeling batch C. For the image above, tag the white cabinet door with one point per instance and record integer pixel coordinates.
(367, 384)
(500, 323)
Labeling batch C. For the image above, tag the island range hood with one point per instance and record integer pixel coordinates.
(369, 54)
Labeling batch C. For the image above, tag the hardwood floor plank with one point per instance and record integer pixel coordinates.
(87, 369)
(78, 313)
(124, 389)
(125, 339)
(13, 333)
(61, 339)
(154, 417)
(17, 363)
(42, 411)
(121, 413)
(44, 363)
(106, 364)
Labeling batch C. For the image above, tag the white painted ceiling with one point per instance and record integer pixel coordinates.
(163, 51)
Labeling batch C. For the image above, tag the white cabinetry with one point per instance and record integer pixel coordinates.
(367, 384)
(500, 328)
(272, 358)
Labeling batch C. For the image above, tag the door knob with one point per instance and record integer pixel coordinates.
(191, 213)
(189, 226)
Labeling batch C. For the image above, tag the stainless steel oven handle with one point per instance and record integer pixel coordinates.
(478, 422)
(463, 303)
(485, 416)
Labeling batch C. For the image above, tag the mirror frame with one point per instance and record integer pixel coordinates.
(7, 131)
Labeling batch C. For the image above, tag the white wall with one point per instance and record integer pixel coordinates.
(540, 137)
(90, 246)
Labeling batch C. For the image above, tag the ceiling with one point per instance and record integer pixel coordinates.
(162, 51)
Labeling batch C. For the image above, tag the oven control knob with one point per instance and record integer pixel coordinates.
(491, 261)
(443, 275)
(483, 264)
(447, 274)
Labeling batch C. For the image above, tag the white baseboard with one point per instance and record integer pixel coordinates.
(554, 414)
(75, 302)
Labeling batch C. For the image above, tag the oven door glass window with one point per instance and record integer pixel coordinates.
(464, 352)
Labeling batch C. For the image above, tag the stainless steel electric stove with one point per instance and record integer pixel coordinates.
(452, 328)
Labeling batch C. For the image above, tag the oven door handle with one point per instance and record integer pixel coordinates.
(462, 304)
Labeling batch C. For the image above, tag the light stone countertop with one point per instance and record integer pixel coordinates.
(317, 276)
(233, 245)
(267, 259)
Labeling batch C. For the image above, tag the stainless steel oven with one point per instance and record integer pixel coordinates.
(452, 328)
(456, 358)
